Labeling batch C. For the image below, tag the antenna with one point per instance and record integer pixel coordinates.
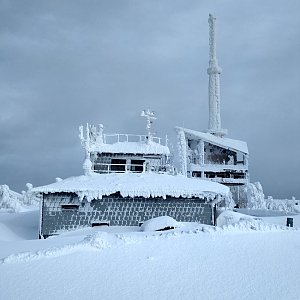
(214, 72)
(149, 115)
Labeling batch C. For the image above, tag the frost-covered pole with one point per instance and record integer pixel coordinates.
(182, 147)
(100, 139)
(85, 142)
(214, 71)
(87, 131)
(201, 146)
(149, 115)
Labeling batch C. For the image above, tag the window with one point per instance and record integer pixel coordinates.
(70, 207)
(100, 224)
(196, 174)
(137, 165)
(118, 165)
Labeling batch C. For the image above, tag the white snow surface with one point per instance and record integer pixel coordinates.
(249, 259)
(216, 140)
(160, 223)
(131, 147)
(145, 185)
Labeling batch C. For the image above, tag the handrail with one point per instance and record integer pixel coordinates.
(124, 137)
(107, 168)
(218, 166)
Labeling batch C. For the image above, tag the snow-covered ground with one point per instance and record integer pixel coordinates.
(245, 260)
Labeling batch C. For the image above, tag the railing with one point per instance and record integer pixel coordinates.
(116, 138)
(133, 168)
(229, 180)
(215, 167)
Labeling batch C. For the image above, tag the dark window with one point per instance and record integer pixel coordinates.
(136, 165)
(118, 165)
(210, 175)
(100, 224)
(70, 207)
(196, 174)
(238, 176)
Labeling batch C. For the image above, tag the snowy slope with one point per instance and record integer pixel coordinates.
(188, 263)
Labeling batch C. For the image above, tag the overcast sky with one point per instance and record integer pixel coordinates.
(65, 63)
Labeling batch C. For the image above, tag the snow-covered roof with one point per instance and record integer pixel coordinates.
(136, 185)
(216, 140)
(131, 147)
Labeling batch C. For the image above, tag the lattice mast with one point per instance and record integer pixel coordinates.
(214, 71)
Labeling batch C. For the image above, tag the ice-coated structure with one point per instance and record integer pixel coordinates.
(128, 179)
(209, 154)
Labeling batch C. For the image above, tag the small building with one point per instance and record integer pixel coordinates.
(119, 153)
(208, 156)
(126, 199)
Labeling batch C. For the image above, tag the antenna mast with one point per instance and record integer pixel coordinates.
(214, 71)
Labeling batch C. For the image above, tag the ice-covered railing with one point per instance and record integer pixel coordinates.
(124, 137)
(229, 180)
(196, 159)
(105, 168)
(207, 167)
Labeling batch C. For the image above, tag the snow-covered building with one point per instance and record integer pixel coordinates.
(129, 179)
(126, 199)
(210, 155)
(126, 183)
(119, 153)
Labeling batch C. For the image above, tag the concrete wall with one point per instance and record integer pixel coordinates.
(117, 211)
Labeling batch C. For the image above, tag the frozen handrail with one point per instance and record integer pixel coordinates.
(124, 137)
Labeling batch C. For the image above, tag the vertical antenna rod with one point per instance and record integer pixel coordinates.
(149, 115)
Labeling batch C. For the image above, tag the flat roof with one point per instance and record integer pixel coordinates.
(147, 185)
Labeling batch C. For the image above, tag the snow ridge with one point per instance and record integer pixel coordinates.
(100, 241)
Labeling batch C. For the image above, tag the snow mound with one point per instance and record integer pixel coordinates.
(160, 223)
(100, 241)
(233, 221)
(228, 217)
(255, 225)
(97, 241)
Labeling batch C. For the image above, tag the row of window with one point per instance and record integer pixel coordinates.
(220, 175)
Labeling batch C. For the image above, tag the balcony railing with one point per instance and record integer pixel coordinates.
(229, 180)
(133, 168)
(218, 167)
(116, 138)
